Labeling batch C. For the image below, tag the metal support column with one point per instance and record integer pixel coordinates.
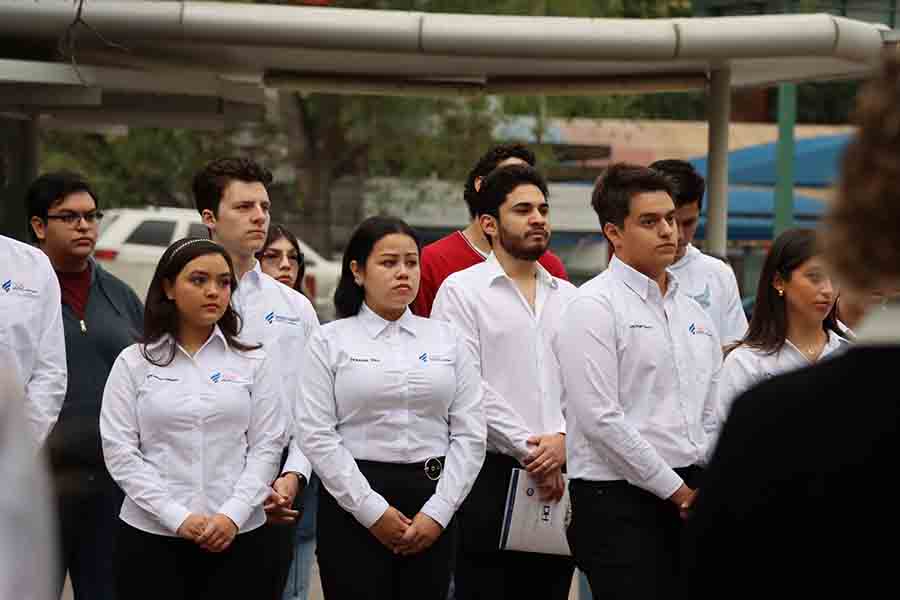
(784, 168)
(717, 174)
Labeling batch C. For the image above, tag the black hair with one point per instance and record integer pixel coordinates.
(769, 322)
(348, 296)
(501, 182)
(688, 185)
(211, 181)
(276, 232)
(619, 183)
(488, 163)
(161, 314)
(50, 189)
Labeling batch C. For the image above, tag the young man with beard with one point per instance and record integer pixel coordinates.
(508, 308)
(101, 317)
(706, 279)
(462, 249)
(231, 196)
(639, 360)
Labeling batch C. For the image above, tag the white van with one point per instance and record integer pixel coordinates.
(133, 239)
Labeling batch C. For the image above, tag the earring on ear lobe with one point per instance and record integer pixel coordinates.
(780, 293)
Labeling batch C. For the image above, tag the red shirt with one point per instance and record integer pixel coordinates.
(74, 288)
(454, 253)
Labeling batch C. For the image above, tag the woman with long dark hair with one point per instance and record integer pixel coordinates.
(192, 432)
(793, 323)
(392, 420)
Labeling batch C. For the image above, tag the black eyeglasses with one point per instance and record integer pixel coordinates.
(72, 218)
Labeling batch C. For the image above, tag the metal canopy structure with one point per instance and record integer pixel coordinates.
(200, 64)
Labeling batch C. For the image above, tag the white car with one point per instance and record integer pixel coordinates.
(133, 239)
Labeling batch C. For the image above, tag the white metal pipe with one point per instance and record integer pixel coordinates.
(717, 173)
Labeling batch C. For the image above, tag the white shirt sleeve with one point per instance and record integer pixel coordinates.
(711, 423)
(46, 388)
(589, 362)
(738, 375)
(317, 432)
(120, 435)
(265, 440)
(734, 320)
(506, 429)
(297, 462)
(467, 441)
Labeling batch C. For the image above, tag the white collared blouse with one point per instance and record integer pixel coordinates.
(282, 320)
(31, 328)
(396, 392)
(511, 346)
(638, 371)
(202, 435)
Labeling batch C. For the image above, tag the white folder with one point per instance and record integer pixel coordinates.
(531, 524)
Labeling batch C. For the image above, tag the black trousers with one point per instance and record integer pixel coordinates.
(626, 540)
(88, 503)
(353, 565)
(483, 571)
(154, 567)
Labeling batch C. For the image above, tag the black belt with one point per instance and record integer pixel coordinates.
(432, 467)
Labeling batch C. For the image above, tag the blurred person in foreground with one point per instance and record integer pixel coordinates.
(27, 532)
(796, 500)
(101, 317)
(282, 259)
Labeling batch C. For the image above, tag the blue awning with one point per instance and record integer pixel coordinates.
(816, 162)
(751, 213)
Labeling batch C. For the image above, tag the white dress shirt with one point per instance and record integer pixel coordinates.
(201, 435)
(281, 319)
(396, 392)
(711, 282)
(31, 326)
(511, 346)
(638, 370)
(745, 367)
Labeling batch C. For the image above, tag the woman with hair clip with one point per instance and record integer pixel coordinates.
(192, 432)
(391, 419)
(282, 259)
(793, 323)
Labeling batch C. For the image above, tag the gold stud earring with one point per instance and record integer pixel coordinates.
(781, 292)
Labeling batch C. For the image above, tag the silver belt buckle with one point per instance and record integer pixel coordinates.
(433, 468)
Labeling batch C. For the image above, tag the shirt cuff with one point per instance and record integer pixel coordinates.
(438, 509)
(371, 510)
(665, 483)
(173, 515)
(236, 510)
(297, 462)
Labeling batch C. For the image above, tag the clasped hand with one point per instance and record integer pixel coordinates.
(212, 533)
(402, 535)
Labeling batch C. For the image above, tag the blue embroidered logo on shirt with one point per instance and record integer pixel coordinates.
(424, 357)
(216, 377)
(10, 286)
(699, 330)
(272, 317)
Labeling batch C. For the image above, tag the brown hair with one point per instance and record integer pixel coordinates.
(862, 232)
